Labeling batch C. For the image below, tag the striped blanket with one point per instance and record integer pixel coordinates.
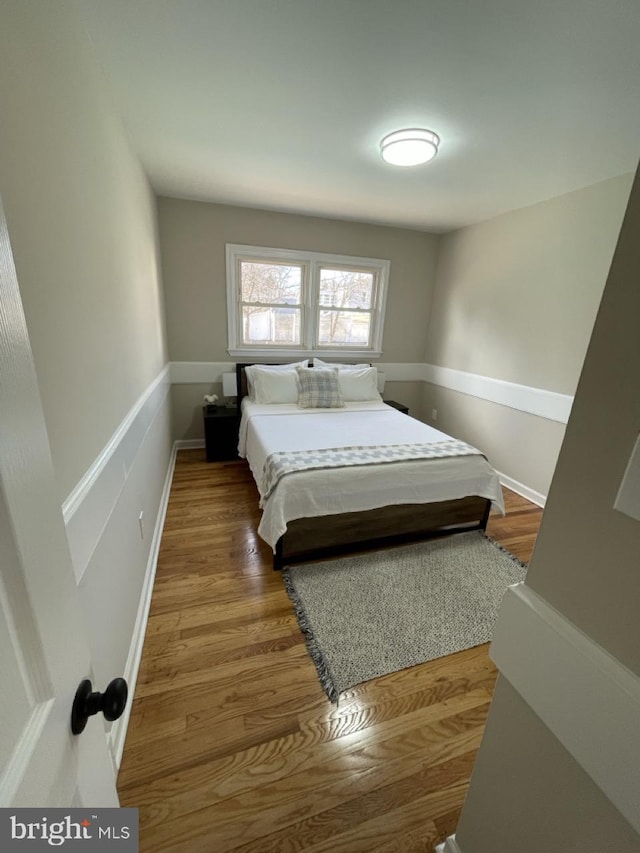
(283, 462)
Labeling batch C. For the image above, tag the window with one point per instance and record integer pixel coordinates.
(283, 302)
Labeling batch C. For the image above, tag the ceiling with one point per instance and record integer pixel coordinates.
(281, 104)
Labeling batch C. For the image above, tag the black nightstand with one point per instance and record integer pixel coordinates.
(399, 406)
(221, 426)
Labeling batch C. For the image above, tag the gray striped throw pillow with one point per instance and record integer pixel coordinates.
(318, 388)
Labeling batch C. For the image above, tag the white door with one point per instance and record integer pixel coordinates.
(44, 652)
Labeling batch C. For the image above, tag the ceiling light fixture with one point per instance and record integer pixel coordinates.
(409, 147)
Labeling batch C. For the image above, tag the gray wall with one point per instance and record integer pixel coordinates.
(531, 796)
(518, 444)
(599, 548)
(516, 296)
(585, 565)
(515, 300)
(82, 223)
(192, 238)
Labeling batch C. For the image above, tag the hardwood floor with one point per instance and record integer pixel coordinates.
(232, 744)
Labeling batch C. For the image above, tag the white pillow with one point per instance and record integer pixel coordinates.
(274, 386)
(250, 373)
(359, 385)
(318, 363)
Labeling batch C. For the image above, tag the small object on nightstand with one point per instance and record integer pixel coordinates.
(221, 425)
(399, 406)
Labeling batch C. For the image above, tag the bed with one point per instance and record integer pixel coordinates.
(411, 488)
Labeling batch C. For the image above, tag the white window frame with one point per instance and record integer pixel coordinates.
(311, 262)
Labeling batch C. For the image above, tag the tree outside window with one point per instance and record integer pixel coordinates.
(284, 301)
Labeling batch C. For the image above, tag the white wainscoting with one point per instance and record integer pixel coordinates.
(533, 401)
(194, 372)
(114, 559)
(118, 732)
(89, 506)
(524, 398)
(585, 696)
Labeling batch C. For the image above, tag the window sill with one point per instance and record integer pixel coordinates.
(274, 352)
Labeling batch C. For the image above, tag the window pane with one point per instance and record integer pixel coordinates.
(345, 288)
(271, 283)
(270, 325)
(344, 327)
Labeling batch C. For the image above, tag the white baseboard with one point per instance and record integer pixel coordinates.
(189, 444)
(585, 696)
(118, 732)
(448, 846)
(520, 489)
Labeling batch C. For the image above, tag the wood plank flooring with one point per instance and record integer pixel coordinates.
(232, 744)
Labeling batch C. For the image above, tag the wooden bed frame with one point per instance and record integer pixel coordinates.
(322, 536)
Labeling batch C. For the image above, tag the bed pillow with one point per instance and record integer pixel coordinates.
(318, 388)
(251, 371)
(318, 363)
(360, 385)
(274, 386)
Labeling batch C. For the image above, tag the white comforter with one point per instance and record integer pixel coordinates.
(267, 429)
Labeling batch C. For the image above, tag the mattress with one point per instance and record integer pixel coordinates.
(266, 429)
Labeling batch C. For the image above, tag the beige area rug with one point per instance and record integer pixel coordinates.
(371, 614)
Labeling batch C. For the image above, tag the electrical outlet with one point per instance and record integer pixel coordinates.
(141, 523)
(434, 414)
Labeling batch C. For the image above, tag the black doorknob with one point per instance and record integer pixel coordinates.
(86, 703)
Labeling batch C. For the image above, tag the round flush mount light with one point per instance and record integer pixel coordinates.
(409, 147)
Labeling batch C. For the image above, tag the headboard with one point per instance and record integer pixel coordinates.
(241, 380)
